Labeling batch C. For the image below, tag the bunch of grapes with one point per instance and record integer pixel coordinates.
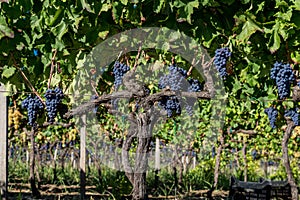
(195, 86)
(53, 99)
(33, 105)
(293, 113)
(254, 154)
(221, 57)
(119, 70)
(175, 79)
(272, 115)
(171, 105)
(14, 117)
(283, 76)
(94, 97)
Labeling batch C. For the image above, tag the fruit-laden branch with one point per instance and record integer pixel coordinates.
(146, 103)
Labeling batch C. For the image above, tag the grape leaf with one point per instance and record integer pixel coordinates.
(8, 72)
(5, 31)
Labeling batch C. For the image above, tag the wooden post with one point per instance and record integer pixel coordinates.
(157, 155)
(157, 160)
(82, 157)
(3, 145)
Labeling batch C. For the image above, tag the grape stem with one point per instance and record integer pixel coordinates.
(93, 86)
(52, 67)
(137, 58)
(193, 64)
(26, 79)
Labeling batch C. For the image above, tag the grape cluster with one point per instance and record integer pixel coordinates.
(221, 57)
(53, 99)
(175, 79)
(171, 105)
(33, 104)
(195, 85)
(14, 117)
(283, 76)
(94, 97)
(293, 113)
(272, 115)
(254, 154)
(298, 83)
(119, 70)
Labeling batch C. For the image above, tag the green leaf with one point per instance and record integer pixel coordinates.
(5, 31)
(275, 40)
(55, 80)
(186, 12)
(8, 72)
(249, 28)
(86, 6)
(60, 30)
(297, 5)
(288, 104)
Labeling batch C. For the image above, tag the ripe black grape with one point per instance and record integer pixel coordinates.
(195, 85)
(119, 70)
(254, 154)
(171, 105)
(53, 99)
(272, 115)
(221, 57)
(293, 113)
(175, 79)
(283, 76)
(33, 105)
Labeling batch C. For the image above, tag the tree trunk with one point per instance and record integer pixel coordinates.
(34, 190)
(137, 175)
(286, 160)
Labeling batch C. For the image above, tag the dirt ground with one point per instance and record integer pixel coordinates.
(19, 191)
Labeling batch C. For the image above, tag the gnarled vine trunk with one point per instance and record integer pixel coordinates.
(141, 131)
(286, 161)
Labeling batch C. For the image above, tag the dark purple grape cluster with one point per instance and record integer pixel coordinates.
(221, 57)
(94, 97)
(53, 99)
(195, 85)
(298, 83)
(293, 113)
(174, 68)
(272, 115)
(283, 76)
(119, 70)
(175, 79)
(254, 154)
(33, 106)
(171, 105)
